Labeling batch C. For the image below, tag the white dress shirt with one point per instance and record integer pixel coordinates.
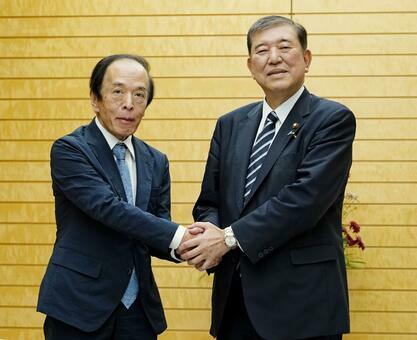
(282, 112)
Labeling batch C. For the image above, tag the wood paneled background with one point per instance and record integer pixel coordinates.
(364, 55)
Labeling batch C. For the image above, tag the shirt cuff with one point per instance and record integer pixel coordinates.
(176, 241)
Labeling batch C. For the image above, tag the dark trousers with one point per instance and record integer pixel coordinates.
(123, 324)
(236, 324)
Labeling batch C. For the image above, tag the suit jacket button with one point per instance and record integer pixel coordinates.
(271, 248)
(266, 251)
(260, 254)
(129, 271)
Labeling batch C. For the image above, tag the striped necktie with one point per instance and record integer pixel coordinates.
(119, 152)
(259, 151)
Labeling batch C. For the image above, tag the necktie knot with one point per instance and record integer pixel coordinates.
(273, 117)
(119, 151)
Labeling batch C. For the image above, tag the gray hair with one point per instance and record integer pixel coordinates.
(276, 20)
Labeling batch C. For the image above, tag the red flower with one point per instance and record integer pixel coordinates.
(361, 244)
(354, 226)
(350, 233)
(351, 241)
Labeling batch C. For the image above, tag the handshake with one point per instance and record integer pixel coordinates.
(203, 245)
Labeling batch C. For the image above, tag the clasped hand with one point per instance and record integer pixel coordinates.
(203, 245)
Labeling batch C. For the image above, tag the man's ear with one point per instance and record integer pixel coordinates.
(307, 59)
(94, 103)
(249, 65)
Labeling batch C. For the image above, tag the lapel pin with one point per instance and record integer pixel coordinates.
(294, 129)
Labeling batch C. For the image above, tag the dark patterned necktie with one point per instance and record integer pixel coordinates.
(259, 151)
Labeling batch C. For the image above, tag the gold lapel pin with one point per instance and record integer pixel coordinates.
(294, 128)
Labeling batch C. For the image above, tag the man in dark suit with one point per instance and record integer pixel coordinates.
(112, 205)
(274, 183)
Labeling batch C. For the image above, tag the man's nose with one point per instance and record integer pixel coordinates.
(274, 56)
(128, 102)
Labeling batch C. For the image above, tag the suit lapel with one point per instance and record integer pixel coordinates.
(283, 137)
(143, 160)
(144, 168)
(245, 135)
(105, 157)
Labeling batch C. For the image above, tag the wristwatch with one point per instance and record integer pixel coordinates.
(229, 238)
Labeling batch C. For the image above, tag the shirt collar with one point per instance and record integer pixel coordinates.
(112, 140)
(284, 109)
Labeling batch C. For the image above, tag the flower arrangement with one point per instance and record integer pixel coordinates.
(351, 237)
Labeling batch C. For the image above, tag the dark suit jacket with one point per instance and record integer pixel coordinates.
(292, 269)
(100, 237)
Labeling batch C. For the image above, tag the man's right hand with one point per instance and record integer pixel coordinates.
(206, 249)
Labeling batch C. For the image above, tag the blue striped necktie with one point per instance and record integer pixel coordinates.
(119, 152)
(259, 151)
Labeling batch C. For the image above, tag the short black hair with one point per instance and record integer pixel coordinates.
(96, 79)
(272, 21)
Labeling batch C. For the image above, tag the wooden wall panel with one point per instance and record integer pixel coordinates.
(110, 26)
(385, 214)
(362, 44)
(139, 7)
(341, 44)
(358, 23)
(364, 55)
(380, 193)
(383, 322)
(28, 233)
(348, 6)
(208, 87)
(384, 171)
(382, 279)
(192, 108)
(225, 66)
(147, 46)
(385, 150)
(390, 236)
